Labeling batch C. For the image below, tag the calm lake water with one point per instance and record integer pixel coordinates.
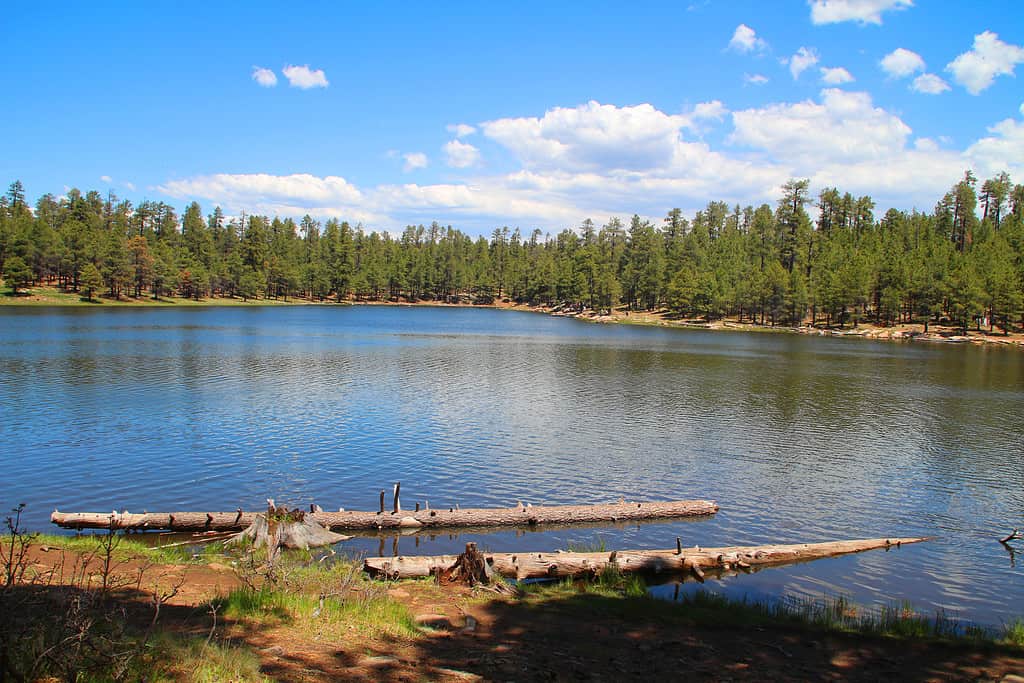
(798, 439)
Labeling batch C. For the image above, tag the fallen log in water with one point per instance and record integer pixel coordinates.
(351, 520)
(679, 560)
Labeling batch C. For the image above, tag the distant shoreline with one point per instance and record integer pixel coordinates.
(38, 297)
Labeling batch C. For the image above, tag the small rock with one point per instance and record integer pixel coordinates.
(470, 626)
(275, 650)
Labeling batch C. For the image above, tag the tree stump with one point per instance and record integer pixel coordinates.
(284, 528)
(472, 569)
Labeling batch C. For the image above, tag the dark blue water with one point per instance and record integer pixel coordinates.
(798, 439)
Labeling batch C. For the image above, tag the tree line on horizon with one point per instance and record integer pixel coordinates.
(763, 265)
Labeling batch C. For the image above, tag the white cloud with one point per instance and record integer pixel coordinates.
(460, 130)
(609, 160)
(835, 76)
(1002, 151)
(861, 11)
(265, 77)
(461, 154)
(263, 189)
(1022, 108)
(414, 160)
(755, 79)
(988, 58)
(129, 186)
(843, 126)
(304, 77)
(710, 110)
(106, 179)
(744, 40)
(592, 135)
(901, 63)
(929, 84)
(804, 59)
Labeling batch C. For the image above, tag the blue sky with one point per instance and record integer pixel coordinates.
(523, 114)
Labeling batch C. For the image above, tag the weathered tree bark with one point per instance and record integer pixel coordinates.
(690, 561)
(283, 528)
(351, 520)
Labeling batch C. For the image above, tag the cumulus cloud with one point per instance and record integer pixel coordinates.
(461, 154)
(713, 110)
(129, 186)
(592, 135)
(744, 40)
(305, 78)
(901, 63)
(977, 68)
(836, 76)
(599, 160)
(106, 179)
(929, 84)
(1001, 151)
(264, 77)
(804, 59)
(414, 160)
(460, 130)
(861, 11)
(842, 126)
(755, 79)
(262, 189)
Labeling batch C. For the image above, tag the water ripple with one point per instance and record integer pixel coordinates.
(799, 439)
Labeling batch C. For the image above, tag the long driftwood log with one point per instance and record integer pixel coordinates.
(351, 520)
(680, 560)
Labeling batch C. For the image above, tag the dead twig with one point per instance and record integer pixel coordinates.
(1013, 535)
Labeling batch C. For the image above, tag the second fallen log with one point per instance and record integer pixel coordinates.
(694, 561)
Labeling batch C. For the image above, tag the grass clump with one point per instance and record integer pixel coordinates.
(900, 621)
(597, 545)
(320, 614)
(1013, 633)
(320, 598)
(131, 548)
(196, 660)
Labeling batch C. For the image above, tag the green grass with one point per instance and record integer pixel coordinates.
(365, 611)
(595, 546)
(131, 547)
(1013, 633)
(170, 657)
(625, 596)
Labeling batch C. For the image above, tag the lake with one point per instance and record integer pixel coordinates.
(797, 438)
